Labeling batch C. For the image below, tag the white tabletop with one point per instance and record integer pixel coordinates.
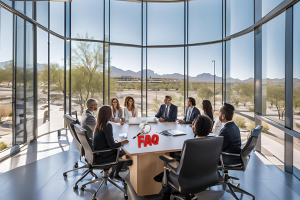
(166, 143)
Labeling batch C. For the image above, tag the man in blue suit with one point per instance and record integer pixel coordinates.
(231, 134)
(191, 112)
(167, 112)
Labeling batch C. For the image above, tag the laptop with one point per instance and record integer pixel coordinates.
(152, 120)
(172, 133)
(134, 120)
(123, 136)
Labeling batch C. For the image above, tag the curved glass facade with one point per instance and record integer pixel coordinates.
(148, 50)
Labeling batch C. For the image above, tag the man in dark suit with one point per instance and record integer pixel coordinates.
(88, 120)
(191, 112)
(168, 111)
(231, 134)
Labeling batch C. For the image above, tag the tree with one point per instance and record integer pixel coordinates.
(6, 73)
(205, 93)
(296, 97)
(87, 71)
(276, 97)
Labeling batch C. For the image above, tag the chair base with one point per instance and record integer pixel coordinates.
(104, 180)
(234, 187)
(187, 197)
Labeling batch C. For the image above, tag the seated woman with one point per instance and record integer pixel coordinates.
(207, 109)
(117, 112)
(103, 140)
(129, 108)
(201, 128)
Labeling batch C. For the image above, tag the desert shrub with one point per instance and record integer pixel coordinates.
(3, 146)
(252, 126)
(251, 109)
(4, 111)
(239, 121)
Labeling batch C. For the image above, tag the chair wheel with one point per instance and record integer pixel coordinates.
(82, 187)
(75, 187)
(75, 166)
(65, 174)
(125, 196)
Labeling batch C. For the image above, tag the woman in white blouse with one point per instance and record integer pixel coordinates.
(117, 112)
(129, 108)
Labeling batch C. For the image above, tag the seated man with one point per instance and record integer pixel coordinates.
(191, 112)
(167, 112)
(231, 134)
(88, 120)
(201, 129)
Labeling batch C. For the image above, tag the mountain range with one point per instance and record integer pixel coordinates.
(204, 77)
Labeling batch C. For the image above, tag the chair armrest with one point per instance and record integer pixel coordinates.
(230, 154)
(101, 151)
(171, 170)
(167, 158)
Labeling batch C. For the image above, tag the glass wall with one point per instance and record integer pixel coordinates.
(165, 76)
(86, 74)
(205, 62)
(273, 48)
(125, 22)
(240, 74)
(165, 23)
(199, 28)
(239, 15)
(6, 78)
(42, 69)
(125, 74)
(273, 41)
(87, 19)
(296, 86)
(56, 82)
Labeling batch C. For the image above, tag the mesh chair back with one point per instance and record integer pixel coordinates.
(198, 168)
(84, 140)
(251, 143)
(70, 121)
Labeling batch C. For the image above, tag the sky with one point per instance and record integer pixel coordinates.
(165, 27)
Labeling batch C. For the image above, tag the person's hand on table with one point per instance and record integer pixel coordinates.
(113, 119)
(191, 125)
(161, 119)
(124, 142)
(181, 121)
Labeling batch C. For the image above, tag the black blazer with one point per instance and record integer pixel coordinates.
(104, 140)
(194, 114)
(172, 113)
(232, 143)
(210, 115)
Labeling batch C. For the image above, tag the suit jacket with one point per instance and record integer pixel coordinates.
(173, 110)
(193, 115)
(232, 143)
(104, 140)
(88, 122)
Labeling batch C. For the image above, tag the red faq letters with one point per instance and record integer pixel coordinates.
(148, 140)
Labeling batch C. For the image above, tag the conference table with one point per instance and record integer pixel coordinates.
(145, 160)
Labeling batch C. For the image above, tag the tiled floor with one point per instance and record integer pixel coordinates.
(36, 173)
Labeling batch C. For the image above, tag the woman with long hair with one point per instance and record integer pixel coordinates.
(117, 112)
(207, 109)
(129, 108)
(103, 140)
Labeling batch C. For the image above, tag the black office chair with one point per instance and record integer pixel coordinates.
(70, 121)
(90, 156)
(245, 157)
(198, 167)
